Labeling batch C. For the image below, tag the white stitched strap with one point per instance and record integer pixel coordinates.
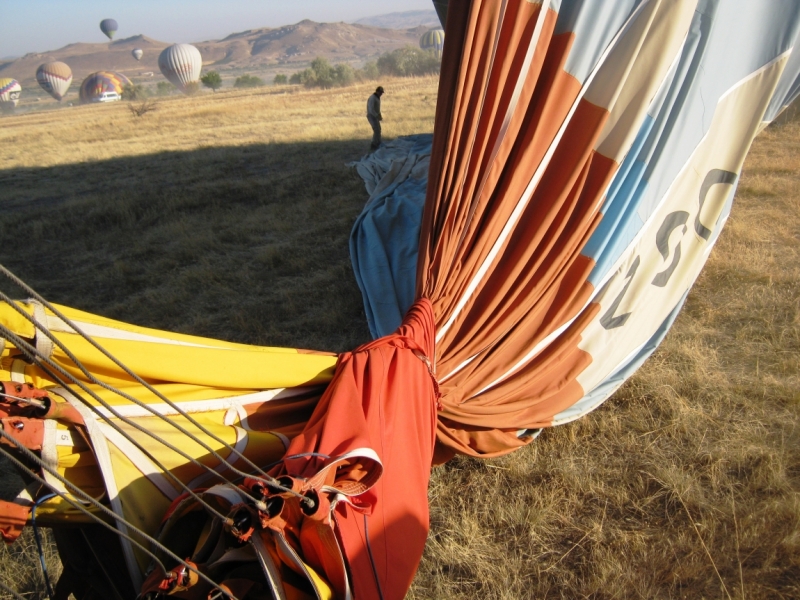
(50, 455)
(231, 495)
(240, 446)
(44, 345)
(284, 440)
(350, 488)
(140, 460)
(242, 555)
(18, 370)
(290, 552)
(64, 438)
(268, 565)
(102, 454)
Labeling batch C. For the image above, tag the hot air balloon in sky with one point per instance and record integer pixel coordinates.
(109, 27)
(181, 64)
(433, 40)
(102, 82)
(55, 78)
(137, 53)
(10, 90)
(583, 162)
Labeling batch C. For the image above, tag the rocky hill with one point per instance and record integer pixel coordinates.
(262, 51)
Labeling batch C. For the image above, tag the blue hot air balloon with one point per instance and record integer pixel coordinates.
(109, 27)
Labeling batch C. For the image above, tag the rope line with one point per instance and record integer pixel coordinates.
(39, 357)
(86, 497)
(30, 352)
(25, 287)
(372, 559)
(7, 589)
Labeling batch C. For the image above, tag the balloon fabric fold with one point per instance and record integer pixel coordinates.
(516, 269)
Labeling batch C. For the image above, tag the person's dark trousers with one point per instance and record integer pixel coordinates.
(376, 131)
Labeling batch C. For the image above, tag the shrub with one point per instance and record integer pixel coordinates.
(248, 81)
(370, 70)
(144, 107)
(302, 77)
(212, 80)
(280, 79)
(164, 88)
(344, 75)
(407, 62)
(324, 75)
(134, 92)
(191, 88)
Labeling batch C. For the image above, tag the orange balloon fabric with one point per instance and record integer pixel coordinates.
(382, 397)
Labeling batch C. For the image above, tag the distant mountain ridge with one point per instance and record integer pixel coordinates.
(266, 50)
(403, 20)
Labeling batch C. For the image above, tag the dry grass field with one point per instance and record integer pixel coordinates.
(228, 215)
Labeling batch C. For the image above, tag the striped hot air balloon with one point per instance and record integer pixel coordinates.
(10, 90)
(102, 82)
(583, 163)
(180, 64)
(55, 78)
(433, 40)
(109, 27)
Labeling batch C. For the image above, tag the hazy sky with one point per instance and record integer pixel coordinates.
(41, 25)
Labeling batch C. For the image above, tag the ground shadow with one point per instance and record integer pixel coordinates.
(245, 243)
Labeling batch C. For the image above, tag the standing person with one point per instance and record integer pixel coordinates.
(374, 117)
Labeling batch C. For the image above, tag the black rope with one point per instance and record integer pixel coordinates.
(372, 559)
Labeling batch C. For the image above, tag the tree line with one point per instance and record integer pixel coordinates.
(403, 62)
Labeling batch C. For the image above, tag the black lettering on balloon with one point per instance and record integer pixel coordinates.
(713, 177)
(608, 320)
(671, 222)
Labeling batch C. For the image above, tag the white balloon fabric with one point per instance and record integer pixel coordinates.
(180, 64)
(10, 91)
(55, 78)
(137, 53)
(583, 163)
